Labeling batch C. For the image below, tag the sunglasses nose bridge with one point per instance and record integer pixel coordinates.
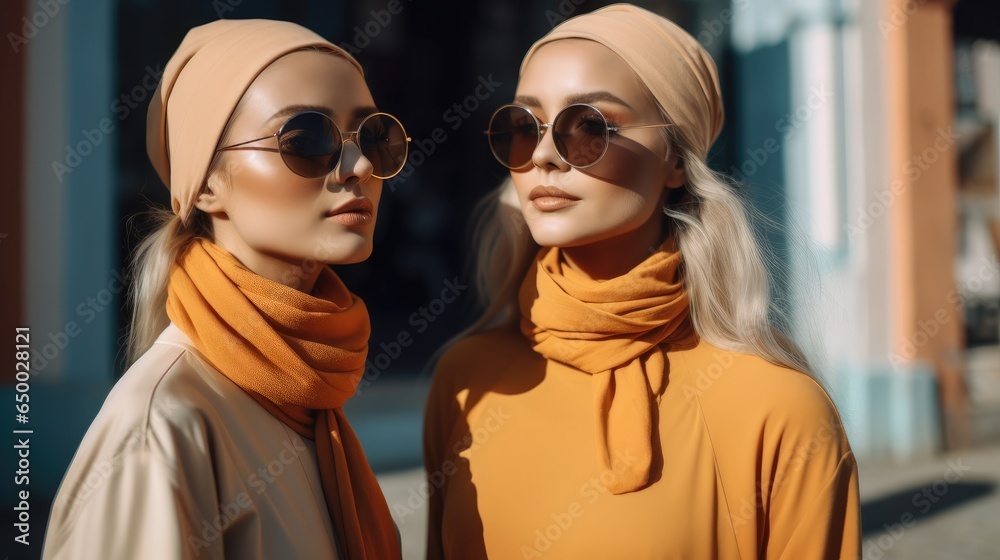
(542, 128)
(352, 136)
(555, 156)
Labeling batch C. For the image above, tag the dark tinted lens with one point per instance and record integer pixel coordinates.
(383, 141)
(513, 135)
(310, 144)
(580, 134)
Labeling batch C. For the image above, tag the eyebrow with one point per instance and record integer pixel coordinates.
(359, 113)
(589, 97)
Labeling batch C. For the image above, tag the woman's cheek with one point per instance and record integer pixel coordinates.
(631, 206)
(258, 176)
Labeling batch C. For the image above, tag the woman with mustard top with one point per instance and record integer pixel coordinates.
(226, 437)
(625, 394)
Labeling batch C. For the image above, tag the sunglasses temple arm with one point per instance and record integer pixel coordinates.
(641, 126)
(245, 143)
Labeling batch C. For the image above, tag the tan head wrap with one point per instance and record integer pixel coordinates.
(201, 85)
(670, 62)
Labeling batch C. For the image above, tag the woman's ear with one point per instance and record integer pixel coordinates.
(676, 175)
(212, 198)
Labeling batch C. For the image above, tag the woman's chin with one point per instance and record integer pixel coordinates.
(559, 235)
(347, 254)
(340, 247)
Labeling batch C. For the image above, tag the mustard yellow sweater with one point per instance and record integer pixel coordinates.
(752, 462)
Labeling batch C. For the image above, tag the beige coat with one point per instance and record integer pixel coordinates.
(182, 463)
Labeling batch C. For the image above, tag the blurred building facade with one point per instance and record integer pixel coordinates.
(871, 139)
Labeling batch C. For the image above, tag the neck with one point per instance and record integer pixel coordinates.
(295, 273)
(616, 256)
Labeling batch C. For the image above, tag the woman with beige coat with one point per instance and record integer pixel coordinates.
(226, 437)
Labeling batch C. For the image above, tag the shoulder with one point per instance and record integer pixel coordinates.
(167, 404)
(163, 391)
(477, 363)
(151, 430)
(739, 392)
(482, 347)
(475, 356)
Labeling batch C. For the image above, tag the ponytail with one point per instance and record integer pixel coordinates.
(151, 266)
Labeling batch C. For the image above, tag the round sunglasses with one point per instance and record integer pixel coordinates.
(311, 144)
(580, 131)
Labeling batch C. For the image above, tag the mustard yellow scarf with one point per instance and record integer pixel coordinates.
(301, 356)
(618, 331)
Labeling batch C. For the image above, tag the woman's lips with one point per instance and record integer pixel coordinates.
(355, 213)
(354, 219)
(552, 203)
(549, 198)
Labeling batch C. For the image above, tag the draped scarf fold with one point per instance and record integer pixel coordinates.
(301, 356)
(618, 331)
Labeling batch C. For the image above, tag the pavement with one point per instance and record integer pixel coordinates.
(946, 507)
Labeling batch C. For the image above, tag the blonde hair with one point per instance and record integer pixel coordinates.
(151, 264)
(724, 268)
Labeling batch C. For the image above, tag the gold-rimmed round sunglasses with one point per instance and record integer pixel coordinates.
(581, 134)
(311, 144)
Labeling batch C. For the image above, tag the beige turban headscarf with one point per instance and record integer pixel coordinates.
(670, 62)
(203, 82)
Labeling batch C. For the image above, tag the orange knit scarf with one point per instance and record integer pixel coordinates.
(618, 331)
(301, 356)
